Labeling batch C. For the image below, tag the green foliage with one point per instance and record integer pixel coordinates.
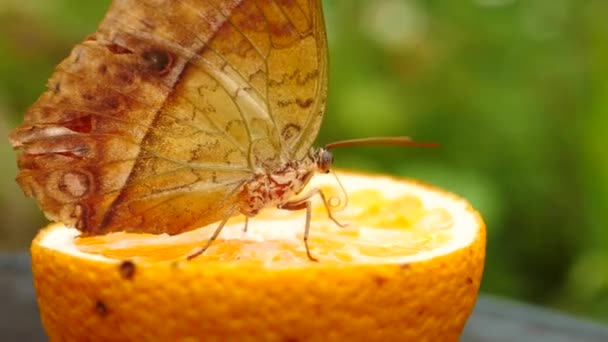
(515, 91)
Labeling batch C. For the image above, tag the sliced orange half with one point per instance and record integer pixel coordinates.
(407, 267)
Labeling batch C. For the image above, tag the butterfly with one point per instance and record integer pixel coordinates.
(177, 114)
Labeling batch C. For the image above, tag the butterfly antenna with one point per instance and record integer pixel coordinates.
(395, 141)
(342, 188)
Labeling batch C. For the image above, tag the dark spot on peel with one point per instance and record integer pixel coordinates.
(405, 267)
(103, 69)
(469, 280)
(380, 280)
(101, 308)
(158, 61)
(420, 312)
(118, 50)
(127, 269)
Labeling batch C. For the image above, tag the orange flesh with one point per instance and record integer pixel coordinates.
(424, 229)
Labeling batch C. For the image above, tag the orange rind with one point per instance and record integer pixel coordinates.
(407, 267)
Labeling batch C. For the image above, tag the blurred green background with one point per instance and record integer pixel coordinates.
(515, 91)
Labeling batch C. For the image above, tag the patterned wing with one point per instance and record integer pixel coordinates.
(297, 67)
(155, 122)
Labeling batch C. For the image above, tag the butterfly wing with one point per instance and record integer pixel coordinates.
(297, 65)
(155, 122)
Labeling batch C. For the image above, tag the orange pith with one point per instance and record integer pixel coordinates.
(380, 278)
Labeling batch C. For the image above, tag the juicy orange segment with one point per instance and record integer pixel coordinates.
(407, 266)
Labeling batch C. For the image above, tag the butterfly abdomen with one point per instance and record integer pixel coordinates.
(271, 189)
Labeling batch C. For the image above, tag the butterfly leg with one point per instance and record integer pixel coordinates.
(246, 224)
(317, 191)
(213, 237)
(304, 203)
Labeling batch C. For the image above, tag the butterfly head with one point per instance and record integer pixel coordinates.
(323, 160)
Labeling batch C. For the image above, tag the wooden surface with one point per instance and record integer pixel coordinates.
(494, 320)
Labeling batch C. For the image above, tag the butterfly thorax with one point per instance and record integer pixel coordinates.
(271, 188)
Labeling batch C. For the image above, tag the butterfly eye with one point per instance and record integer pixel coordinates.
(326, 159)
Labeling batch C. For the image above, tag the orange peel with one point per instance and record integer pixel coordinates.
(408, 267)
